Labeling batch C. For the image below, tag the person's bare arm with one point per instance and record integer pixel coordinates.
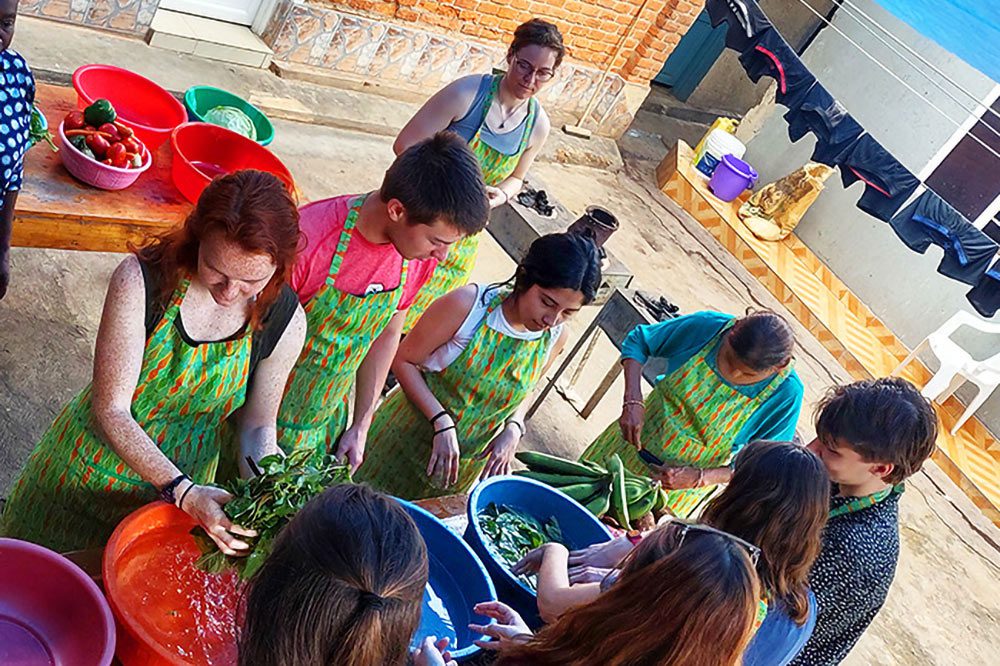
(441, 110)
(257, 422)
(121, 342)
(368, 384)
(438, 325)
(555, 593)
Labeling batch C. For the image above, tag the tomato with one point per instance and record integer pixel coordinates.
(121, 161)
(99, 145)
(108, 128)
(74, 120)
(132, 145)
(116, 150)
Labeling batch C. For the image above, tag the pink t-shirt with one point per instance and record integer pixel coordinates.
(367, 268)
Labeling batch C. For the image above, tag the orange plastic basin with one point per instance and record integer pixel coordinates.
(168, 612)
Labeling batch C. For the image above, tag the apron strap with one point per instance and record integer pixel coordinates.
(345, 238)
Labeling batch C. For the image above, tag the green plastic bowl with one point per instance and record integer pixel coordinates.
(199, 100)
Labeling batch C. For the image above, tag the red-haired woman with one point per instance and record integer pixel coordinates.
(196, 324)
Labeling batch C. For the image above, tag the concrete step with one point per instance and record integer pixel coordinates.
(207, 38)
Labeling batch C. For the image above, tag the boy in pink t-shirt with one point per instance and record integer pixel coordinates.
(350, 278)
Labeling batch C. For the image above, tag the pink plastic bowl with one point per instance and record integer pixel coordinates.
(203, 151)
(141, 104)
(95, 173)
(51, 612)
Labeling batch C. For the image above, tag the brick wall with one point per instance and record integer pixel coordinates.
(592, 29)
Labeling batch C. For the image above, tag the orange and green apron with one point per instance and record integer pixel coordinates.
(454, 271)
(692, 416)
(74, 489)
(481, 388)
(341, 330)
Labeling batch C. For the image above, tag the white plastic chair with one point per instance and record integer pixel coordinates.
(957, 365)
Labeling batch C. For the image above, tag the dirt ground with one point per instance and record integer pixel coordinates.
(944, 607)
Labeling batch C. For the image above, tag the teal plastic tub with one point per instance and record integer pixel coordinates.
(199, 100)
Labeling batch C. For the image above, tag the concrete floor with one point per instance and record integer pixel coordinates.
(944, 607)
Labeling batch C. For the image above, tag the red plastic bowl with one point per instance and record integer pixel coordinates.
(95, 173)
(141, 104)
(51, 612)
(169, 613)
(203, 151)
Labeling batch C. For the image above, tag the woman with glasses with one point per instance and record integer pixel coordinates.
(703, 582)
(776, 504)
(505, 126)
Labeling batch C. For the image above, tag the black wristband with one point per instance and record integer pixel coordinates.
(443, 412)
(167, 491)
(180, 504)
(438, 432)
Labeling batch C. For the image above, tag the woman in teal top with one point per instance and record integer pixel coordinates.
(729, 382)
(677, 340)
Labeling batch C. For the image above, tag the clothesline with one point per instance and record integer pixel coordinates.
(901, 81)
(849, 7)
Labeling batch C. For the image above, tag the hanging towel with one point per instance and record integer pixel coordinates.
(771, 56)
(887, 182)
(745, 21)
(985, 296)
(930, 220)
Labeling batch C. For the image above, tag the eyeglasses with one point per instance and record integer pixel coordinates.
(526, 69)
(753, 552)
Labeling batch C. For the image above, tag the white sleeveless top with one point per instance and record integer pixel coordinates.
(446, 354)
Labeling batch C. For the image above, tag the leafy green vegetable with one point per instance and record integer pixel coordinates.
(266, 503)
(38, 130)
(80, 143)
(232, 118)
(513, 534)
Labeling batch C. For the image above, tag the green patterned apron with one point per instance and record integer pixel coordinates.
(454, 271)
(481, 388)
(692, 416)
(341, 330)
(74, 489)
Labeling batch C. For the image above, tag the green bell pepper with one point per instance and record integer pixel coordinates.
(99, 112)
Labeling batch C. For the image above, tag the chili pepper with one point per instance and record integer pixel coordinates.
(74, 120)
(110, 128)
(107, 161)
(100, 112)
(120, 161)
(124, 130)
(86, 132)
(99, 145)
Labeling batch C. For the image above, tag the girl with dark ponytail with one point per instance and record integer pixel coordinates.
(343, 585)
(467, 369)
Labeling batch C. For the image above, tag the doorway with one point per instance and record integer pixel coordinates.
(693, 56)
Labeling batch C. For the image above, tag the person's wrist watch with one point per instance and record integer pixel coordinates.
(167, 492)
(634, 537)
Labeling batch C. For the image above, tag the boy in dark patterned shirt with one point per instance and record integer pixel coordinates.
(871, 435)
(17, 95)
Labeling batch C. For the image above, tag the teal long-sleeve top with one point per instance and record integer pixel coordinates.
(677, 340)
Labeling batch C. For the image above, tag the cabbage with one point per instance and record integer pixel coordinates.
(232, 118)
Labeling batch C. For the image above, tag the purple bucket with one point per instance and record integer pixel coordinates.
(731, 178)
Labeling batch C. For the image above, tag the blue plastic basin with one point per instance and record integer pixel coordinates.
(458, 581)
(580, 529)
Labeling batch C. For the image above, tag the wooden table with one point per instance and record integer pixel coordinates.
(619, 315)
(54, 210)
